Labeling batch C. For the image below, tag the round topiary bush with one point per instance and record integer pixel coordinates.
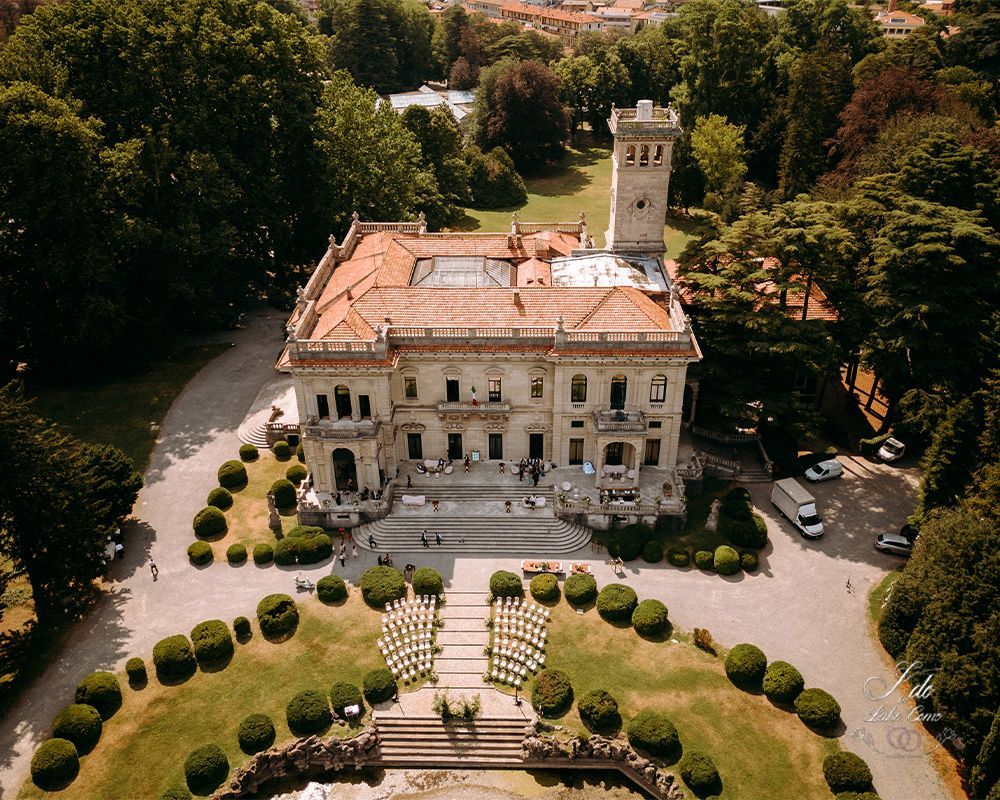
(284, 493)
(241, 627)
(135, 668)
(173, 658)
(209, 522)
(704, 559)
(506, 584)
(300, 453)
(314, 549)
(176, 793)
(744, 532)
(200, 553)
(544, 588)
(343, 695)
(748, 561)
(212, 641)
(286, 551)
(817, 709)
(678, 557)
(277, 616)
(993, 795)
(700, 774)
(54, 764)
(580, 589)
(552, 693)
(248, 452)
(616, 602)
(378, 686)
(652, 552)
(726, 560)
(236, 554)
(263, 554)
(782, 682)
(232, 474)
(427, 581)
(626, 543)
(206, 768)
(737, 503)
(282, 451)
(846, 772)
(100, 690)
(255, 733)
(654, 732)
(308, 713)
(80, 724)
(599, 712)
(381, 585)
(649, 618)
(745, 665)
(304, 531)
(331, 589)
(220, 498)
(296, 473)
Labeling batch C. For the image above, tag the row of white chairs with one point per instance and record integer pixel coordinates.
(410, 674)
(508, 678)
(530, 610)
(411, 627)
(509, 665)
(428, 600)
(508, 647)
(518, 659)
(409, 614)
(528, 637)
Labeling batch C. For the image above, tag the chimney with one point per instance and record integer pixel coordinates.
(644, 111)
(892, 6)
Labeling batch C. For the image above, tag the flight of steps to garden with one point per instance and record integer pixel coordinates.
(461, 662)
(426, 741)
(253, 430)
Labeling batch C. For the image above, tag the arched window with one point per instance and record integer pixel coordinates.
(644, 156)
(658, 389)
(619, 384)
(630, 155)
(578, 389)
(658, 155)
(342, 396)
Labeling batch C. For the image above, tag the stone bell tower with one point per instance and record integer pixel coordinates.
(640, 176)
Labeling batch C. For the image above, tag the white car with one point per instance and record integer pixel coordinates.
(893, 543)
(891, 450)
(825, 471)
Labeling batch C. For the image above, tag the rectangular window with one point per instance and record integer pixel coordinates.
(494, 385)
(409, 386)
(496, 446)
(537, 388)
(658, 390)
(451, 389)
(655, 423)
(414, 446)
(576, 423)
(323, 405)
(536, 445)
(364, 406)
(652, 456)
(576, 451)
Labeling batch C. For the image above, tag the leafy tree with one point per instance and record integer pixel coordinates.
(441, 155)
(918, 53)
(463, 74)
(719, 149)
(652, 57)
(592, 86)
(833, 26)
(113, 480)
(977, 44)
(949, 461)
(986, 772)
(447, 37)
(493, 181)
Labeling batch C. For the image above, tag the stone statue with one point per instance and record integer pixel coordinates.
(273, 520)
(713, 515)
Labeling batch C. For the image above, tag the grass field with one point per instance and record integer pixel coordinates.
(760, 750)
(581, 182)
(143, 746)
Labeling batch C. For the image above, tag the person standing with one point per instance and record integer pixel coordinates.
(409, 482)
(423, 539)
(437, 538)
(354, 550)
(343, 556)
(153, 568)
(371, 542)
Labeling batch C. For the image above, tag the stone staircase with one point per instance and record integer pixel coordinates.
(253, 430)
(461, 663)
(426, 741)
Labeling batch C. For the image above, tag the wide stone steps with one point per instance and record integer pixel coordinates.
(514, 535)
(405, 741)
(255, 433)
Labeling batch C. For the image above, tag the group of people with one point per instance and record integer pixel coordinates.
(534, 467)
(426, 542)
(355, 497)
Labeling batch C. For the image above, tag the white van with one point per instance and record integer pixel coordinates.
(793, 500)
(825, 471)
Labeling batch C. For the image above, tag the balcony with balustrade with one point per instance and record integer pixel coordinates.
(465, 408)
(341, 429)
(608, 420)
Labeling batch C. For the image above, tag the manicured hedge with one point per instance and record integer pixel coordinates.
(748, 532)
(282, 451)
(80, 724)
(653, 732)
(173, 658)
(54, 764)
(737, 503)
(256, 733)
(381, 585)
(249, 452)
(745, 666)
(726, 560)
(704, 559)
(626, 543)
(551, 693)
(277, 616)
(993, 795)
(263, 554)
(345, 694)
(700, 774)
(211, 641)
(506, 584)
(300, 452)
(314, 549)
(206, 768)
(176, 793)
(308, 712)
(241, 627)
(232, 474)
(286, 551)
(209, 522)
(135, 668)
(782, 682)
(284, 493)
(846, 772)
(220, 498)
(580, 589)
(649, 618)
(200, 553)
(100, 690)
(331, 589)
(616, 602)
(427, 581)
(817, 709)
(599, 712)
(378, 686)
(652, 552)
(748, 561)
(296, 473)
(305, 531)
(678, 557)
(236, 554)
(545, 588)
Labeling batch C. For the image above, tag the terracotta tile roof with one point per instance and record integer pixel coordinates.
(558, 14)
(534, 272)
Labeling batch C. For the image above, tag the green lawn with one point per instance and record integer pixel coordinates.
(581, 182)
(143, 746)
(127, 410)
(761, 751)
